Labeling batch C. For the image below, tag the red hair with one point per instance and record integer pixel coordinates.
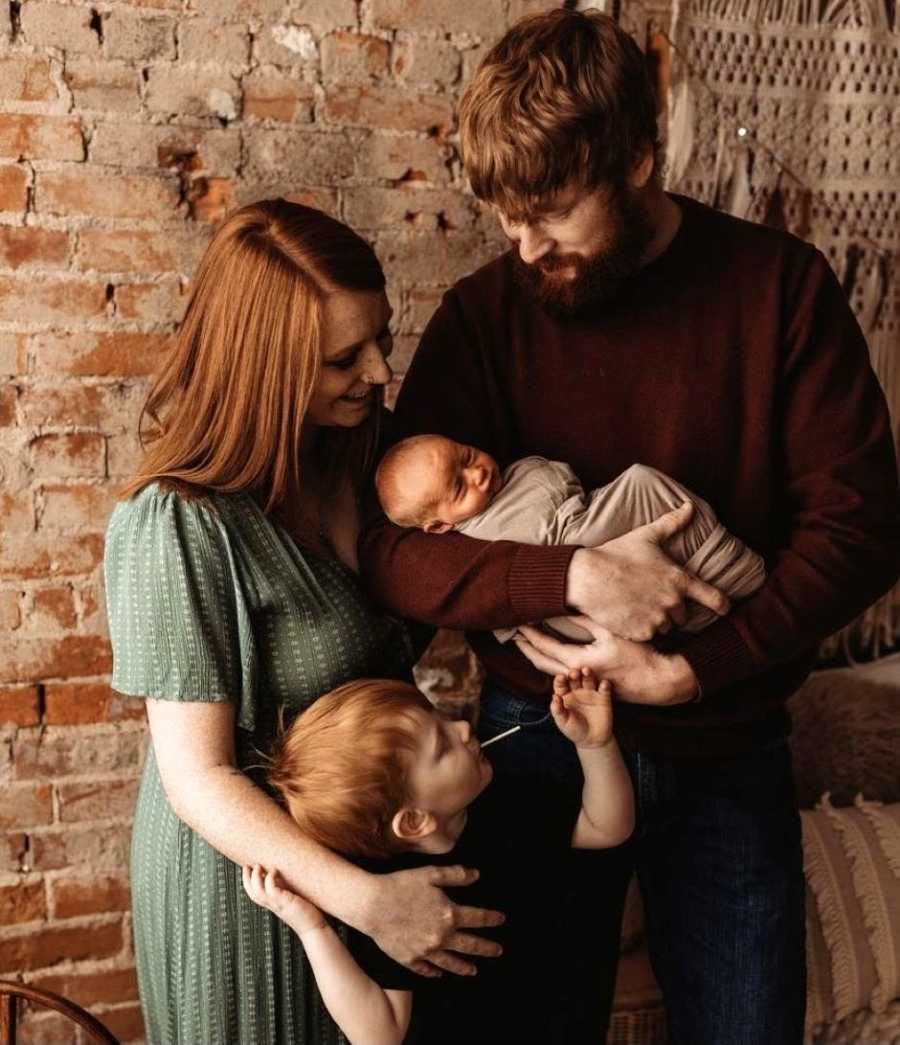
(341, 767)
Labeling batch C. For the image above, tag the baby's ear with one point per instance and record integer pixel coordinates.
(413, 825)
(436, 526)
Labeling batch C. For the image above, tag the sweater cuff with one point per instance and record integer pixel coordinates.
(718, 656)
(536, 582)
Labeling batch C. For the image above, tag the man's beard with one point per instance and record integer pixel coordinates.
(599, 277)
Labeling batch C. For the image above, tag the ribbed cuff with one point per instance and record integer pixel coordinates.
(718, 656)
(537, 581)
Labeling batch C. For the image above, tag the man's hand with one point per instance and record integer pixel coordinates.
(632, 588)
(581, 709)
(636, 671)
(413, 920)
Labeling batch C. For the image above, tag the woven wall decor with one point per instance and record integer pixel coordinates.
(788, 112)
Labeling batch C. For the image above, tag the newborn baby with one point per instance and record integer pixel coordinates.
(435, 484)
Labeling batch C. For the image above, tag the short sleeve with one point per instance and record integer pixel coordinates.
(178, 621)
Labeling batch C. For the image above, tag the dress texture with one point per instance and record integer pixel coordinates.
(209, 600)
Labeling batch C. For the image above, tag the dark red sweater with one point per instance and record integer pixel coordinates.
(731, 362)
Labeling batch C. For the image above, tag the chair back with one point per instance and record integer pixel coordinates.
(13, 994)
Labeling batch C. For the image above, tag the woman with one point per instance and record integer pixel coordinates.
(232, 594)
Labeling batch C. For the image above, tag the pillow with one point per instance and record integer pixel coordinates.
(852, 865)
(846, 733)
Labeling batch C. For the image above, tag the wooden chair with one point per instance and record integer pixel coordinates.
(11, 996)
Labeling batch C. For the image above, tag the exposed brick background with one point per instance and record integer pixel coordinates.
(128, 129)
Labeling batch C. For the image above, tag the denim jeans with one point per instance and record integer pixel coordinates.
(718, 856)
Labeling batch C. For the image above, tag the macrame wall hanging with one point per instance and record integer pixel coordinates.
(788, 112)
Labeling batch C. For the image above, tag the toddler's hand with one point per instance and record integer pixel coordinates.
(265, 888)
(582, 709)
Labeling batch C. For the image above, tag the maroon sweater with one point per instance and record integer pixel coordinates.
(733, 363)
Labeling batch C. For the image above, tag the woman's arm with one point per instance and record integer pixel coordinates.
(406, 913)
(366, 1013)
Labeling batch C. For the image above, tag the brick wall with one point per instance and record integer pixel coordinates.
(128, 128)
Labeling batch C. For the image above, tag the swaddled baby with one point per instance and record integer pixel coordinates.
(435, 484)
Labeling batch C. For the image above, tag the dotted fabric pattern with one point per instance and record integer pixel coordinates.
(210, 601)
(817, 82)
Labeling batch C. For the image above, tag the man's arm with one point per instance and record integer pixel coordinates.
(630, 585)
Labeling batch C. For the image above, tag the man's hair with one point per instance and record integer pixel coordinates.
(563, 96)
(341, 767)
(388, 479)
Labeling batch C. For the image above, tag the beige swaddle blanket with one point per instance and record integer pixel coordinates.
(542, 502)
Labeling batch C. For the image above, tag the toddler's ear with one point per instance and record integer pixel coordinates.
(413, 825)
(436, 526)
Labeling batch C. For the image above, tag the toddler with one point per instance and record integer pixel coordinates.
(374, 771)
(436, 485)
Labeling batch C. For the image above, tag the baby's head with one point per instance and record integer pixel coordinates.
(434, 483)
(372, 769)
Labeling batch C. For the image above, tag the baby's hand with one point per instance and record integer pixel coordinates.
(265, 888)
(581, 709)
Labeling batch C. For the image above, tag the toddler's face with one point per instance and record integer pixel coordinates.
(457, 480)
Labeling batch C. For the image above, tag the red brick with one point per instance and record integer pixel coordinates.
(26, 78)
(9, 396)
(69, 454)
(120, 250)
(19, 706)
(41, 137)
(97, 800)
(442, 16)
(12, 851)
(106, 196)
(39, 556)
(55, 848)
(126, 1022)
(117, 354)
(389, 108)
(151, 302)
(50, 301)
(75, 507)
(13, 353)
(38, 1026)
(52, 610)
(31, 660)
(211, 199)
(13, 188)
(95, 406)
(16, 516)
(85, 703)
(22, 902)
(48, 946)
(91, 988)
(29, 245)
(10, 615)
(351, 57)
(91, 894)
(40, 755)
(25, 805)
(276, 96)
(93, 614)
(103, 85)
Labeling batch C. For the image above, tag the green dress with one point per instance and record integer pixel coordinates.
(209, 600)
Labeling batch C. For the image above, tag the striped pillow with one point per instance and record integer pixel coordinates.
(852, 865)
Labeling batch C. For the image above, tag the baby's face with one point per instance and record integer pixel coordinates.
(457, 480)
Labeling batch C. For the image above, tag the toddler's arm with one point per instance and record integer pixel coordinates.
(582, 711)
(366, 1013)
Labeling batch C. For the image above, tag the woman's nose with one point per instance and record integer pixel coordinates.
(476, 475)
(465, 730)
(376, 370)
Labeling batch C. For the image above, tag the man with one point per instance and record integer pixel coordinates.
(627, 325)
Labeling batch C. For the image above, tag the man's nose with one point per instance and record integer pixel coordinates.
(533, 243)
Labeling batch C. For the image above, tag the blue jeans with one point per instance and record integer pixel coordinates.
(718, 856)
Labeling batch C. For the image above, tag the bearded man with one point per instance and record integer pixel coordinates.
(627, 325)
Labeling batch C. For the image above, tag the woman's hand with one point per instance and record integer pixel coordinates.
(412, 920)
(637, 672)
(266, 889)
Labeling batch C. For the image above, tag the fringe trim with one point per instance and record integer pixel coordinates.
(887, 830)
(876, 918)
(874, 631)
(834, 14)
(845, 983)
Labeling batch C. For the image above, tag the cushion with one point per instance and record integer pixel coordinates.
(852, 864)
(846, 733)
